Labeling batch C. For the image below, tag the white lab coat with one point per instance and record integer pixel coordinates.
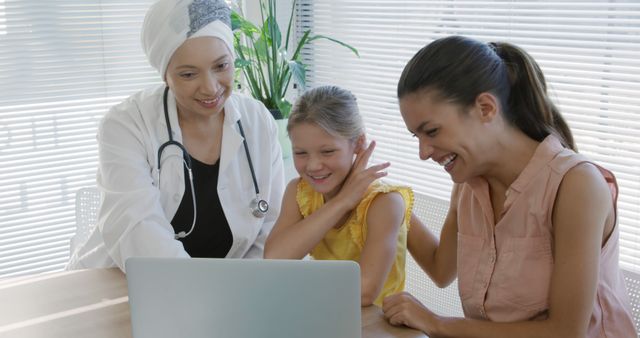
(138, 202)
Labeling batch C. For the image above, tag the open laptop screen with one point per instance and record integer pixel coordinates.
(239, 298)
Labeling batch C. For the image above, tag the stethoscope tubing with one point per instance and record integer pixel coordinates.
(258, 205)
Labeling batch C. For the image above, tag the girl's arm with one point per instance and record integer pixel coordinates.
(293, 236)
(583, 206)
(384, 217)
(436, 258)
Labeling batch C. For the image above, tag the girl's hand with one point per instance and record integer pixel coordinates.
(403, 309)
(360, 178)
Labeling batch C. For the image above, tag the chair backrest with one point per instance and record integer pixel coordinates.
(432, 212)
(632, 280)
(87, 204)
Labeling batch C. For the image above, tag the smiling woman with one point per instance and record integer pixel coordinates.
(529, 217)
(200, 75)
(201, 70)
(187, 168)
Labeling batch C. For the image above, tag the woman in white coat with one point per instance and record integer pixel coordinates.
(189, 134)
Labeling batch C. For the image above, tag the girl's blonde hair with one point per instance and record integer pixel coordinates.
(331, 108)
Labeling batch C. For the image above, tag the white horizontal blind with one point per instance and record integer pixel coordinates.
(63, 63)
(589, 51)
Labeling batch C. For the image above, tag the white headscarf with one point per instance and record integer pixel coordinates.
(169, 23)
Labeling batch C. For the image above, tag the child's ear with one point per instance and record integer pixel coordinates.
(361, 142)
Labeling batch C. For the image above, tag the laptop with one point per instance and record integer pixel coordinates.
(243, 298)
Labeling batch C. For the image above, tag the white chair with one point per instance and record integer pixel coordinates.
(87, 204)
(432, 212)
(632, 280)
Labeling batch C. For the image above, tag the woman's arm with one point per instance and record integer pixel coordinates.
(436, 258)
(131, 219)
(384, 218)
(583, 206)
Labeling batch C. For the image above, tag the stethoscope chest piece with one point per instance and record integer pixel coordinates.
(259, 207)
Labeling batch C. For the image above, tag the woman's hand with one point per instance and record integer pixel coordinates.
(403, 309)
(360, 177)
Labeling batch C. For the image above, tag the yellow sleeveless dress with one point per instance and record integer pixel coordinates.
(347, 241)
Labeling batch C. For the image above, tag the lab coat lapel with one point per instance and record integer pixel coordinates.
(173, 118)
(231, 138)
(171, 178)
(176, 133)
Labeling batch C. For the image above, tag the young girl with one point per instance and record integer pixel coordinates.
(531, 233)
(338, 209)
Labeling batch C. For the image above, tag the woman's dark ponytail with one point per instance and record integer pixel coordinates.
(529, 106)
(458, 69)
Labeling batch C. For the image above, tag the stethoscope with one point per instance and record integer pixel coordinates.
(258, 206)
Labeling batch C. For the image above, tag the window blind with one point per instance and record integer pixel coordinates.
(589, 51)
(63, 63)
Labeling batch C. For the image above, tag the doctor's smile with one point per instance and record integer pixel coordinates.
(211, 103)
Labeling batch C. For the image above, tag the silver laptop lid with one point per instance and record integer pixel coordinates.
(239, 298)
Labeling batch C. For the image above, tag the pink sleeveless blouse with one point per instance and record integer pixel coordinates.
(504, 269)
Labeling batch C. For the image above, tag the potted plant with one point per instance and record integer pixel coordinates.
(265, 59)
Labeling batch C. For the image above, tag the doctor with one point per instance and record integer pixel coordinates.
(186, 169)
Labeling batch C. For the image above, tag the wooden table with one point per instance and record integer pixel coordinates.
(94, 303)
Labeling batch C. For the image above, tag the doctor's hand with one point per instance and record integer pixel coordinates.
(403, 309)
(360, 177)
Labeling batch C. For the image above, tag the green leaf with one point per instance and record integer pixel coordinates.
(299, 71)
(289, 25)
(242, 63)
(301, 43)
(235, 20)
(285, 107)
(245, 53)
(261, 47)
(243, 25)
(317, 37)
(272, 32)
